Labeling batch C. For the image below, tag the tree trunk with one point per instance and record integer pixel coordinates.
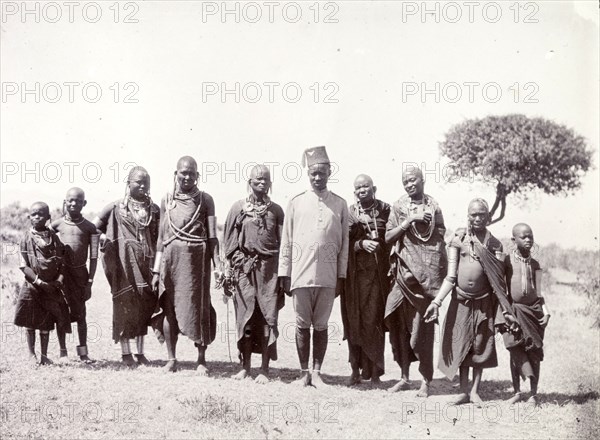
(502, 202)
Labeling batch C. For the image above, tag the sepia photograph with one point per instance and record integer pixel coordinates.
(304, 219)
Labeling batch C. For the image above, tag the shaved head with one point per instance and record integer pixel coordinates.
(521, 227)
(189, 160)
(40, 205)
(412, 171)
(362, 179)
(76, 192)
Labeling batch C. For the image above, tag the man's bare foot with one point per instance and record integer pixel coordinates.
(141, 359)
(375, 381)
(476, 400)
(317, 380)
(354, 379)
(242, 374)
(402, 385)
(461, 399)
(128, 360)
(533, 399)
(304, 380)
(45, 360)
(424, 390)
(33, 360)
(516, 398)
(202, 370)
(171, 366)
(261, 379)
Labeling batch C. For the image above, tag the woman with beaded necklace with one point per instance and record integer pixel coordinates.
(186, 244)
(131, 229)
(251, 239)
(419, 264)
(367, 283)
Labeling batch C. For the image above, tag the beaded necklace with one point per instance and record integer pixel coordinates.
(413, 207)
(140, 212)
(526, 273)
(363, 214)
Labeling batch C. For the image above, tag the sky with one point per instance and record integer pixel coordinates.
(92, 88)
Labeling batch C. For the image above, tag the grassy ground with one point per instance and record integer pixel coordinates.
(105, 400)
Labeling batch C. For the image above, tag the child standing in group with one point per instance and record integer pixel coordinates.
(79, 236)
(41, 304)
(526, 344)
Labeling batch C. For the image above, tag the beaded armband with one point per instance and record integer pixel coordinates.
(212, 226)
(452, 274)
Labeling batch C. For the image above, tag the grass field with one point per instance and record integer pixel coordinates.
(106, 400)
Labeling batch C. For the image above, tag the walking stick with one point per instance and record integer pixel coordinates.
(227, 329)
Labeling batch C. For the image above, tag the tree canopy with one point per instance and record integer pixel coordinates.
(519, 155)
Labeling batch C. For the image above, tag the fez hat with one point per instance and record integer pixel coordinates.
(314, 155)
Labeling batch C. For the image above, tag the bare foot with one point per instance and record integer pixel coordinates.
(402, 385)
(476, 400)
(170, 366)
(46, 360)
(142, 360)
(317, 380)
(33, 359)
(354, 379)
(128, 360)
(375, 381)
(62, 360)
(261, 379)
(461, 399)
(304, 380)
(202, 370)
(424, 390)
(516, 398)
(534, 399)
(242, 374)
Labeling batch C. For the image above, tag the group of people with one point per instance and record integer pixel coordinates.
(389, 264)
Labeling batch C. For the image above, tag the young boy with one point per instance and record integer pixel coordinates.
(41, 303)
(79, 235)
(526, 345)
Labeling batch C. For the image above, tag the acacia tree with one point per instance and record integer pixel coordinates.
(519, 155)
